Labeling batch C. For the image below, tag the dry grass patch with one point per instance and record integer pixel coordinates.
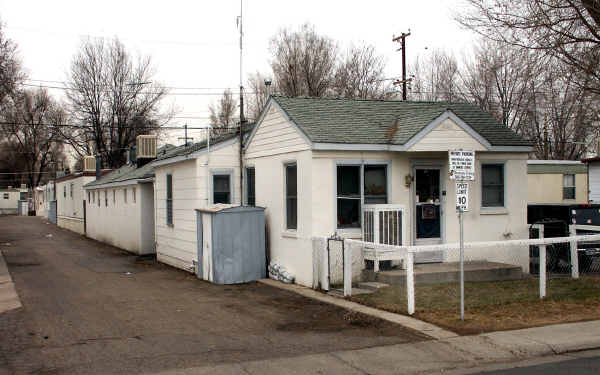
(495, 306)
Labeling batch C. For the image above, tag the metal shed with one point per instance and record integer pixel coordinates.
(231, 244)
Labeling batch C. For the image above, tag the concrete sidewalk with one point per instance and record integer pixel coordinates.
(427, 357)
(9, 299)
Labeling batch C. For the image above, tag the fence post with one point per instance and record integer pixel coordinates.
(410, 281)
(542, 261)
(325, 264)
(347, 269)
(574, 257)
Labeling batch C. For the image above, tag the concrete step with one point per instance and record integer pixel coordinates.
(372, 285)
(355, 291)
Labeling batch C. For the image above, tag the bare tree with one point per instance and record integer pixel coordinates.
(112, 96)
(303, 62)
(260, 96)
(11, 73)
(360, 74)
(222, 116)
(567, 29)
(435, 77)
(31, 124)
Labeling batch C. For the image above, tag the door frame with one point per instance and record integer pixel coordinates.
(440, 165)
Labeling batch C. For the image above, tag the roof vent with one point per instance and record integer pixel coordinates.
(89, 163)
(146, 147)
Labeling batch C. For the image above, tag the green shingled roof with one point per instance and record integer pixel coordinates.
(372, 121)
(125, 173)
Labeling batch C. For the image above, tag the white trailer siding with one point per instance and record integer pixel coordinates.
(594, 181)
(176, 244)
(9, 200)
(70, 198)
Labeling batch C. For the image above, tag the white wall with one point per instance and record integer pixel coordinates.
(177, 243)
(594, 178)
(10, 205)
(70, 208)
(119, 223)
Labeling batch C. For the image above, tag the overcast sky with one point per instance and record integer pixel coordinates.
(194, 44)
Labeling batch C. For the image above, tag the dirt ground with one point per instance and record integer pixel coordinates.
(89, 308)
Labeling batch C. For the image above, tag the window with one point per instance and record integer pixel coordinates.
(65, 191)
(169, 199)
(348, 196)
(98, 198)
(133, 191)
(221, 188)
(5, 195)
(125, 195)
(114, 196)
(375, 180)
(568, 186)
(23, 196)
(492, 182)
(93, 197)
(105, 198)
(71, 190)
(89, 196)
(250, 187)
(291, 196)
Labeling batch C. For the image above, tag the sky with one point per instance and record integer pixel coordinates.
(194, 45)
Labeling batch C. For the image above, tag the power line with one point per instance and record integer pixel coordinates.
(167, 87)
(93, 127)
(141, 92)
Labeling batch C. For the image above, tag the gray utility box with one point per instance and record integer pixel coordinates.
(231, 244)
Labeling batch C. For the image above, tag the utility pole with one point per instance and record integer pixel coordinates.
(402, 40)
(242, 119)
(185, 138)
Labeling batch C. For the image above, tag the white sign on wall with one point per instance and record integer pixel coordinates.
(462, 196)
(461, 165)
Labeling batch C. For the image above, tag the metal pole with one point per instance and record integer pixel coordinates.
(462, 265)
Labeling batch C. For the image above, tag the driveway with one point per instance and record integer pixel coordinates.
(89, 308)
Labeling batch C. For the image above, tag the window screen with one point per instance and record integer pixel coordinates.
(221, 188)
(291, 196)
(170, 199)
(569, 186)
(348, 196)
(492, 182)
(250, 187)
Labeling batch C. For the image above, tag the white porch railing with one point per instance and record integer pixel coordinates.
(383, 224)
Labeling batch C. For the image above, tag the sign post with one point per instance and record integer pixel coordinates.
(462, 169)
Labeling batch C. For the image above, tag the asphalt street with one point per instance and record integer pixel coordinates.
(89, 308)
(579, 366)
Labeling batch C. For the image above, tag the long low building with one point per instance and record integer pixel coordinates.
(9, 200)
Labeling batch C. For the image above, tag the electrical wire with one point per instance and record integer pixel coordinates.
(144, 92)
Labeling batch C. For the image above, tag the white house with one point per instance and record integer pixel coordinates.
(593, 169)
(557, 182)
(70, 200)
(120, 209)
(316, 162)
(187, 178)
(9, 199)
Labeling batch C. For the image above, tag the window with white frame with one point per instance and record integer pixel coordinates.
(221, 188)
(350, 196)
(89, 196)
(114, 196)
(568, 186)
(169, 201)
(492, 185)
(105, 198)
(291, 196)
(93, 197)
(71, 190)
(65, 191)
(6, 195)
(133, 190)
(124, 195)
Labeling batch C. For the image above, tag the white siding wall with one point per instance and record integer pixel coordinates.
(177, 243)
(70, 208)
(119, 223)
(594, 177)
(275, 135)
(447, 136)
(9, 205)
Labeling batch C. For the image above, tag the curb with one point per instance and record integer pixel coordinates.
(425, 328)
(9, 299)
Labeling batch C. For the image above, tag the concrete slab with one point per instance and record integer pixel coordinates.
(428, 329)
(311, 364)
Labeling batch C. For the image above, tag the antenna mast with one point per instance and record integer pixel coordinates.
(242, 118)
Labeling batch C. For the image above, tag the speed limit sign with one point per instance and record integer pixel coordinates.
(462, 196)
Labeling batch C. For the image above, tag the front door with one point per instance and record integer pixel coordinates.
(428, 212)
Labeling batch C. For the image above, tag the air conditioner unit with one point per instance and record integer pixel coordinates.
(89, 163)
(146, 147)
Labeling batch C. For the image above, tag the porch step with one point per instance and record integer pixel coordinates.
(372, 285)
(355, 291)
(448, 273)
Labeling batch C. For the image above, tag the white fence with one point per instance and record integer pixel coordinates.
(381, 252)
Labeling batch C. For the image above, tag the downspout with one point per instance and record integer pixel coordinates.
(241, 165)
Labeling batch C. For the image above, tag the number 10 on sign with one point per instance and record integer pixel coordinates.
(462, 196)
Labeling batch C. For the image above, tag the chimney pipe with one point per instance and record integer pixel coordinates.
(98, 167)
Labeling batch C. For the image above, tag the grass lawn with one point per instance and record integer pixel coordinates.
(495, 306)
